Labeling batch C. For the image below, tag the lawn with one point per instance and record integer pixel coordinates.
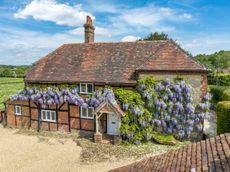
(9, 86)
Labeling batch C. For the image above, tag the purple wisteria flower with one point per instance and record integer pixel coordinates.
(125, 106)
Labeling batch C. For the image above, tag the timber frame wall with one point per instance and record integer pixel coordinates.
(67, 117)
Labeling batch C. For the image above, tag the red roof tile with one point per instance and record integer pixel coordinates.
(110, 62)
(209, 155)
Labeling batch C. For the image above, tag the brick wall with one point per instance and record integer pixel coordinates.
(68, 117)
(198, 81)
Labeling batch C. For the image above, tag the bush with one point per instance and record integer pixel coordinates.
(226, 95)
(219, 93)
(222, 79)
(223, 117)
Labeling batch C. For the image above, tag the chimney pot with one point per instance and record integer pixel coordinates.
(89, 30)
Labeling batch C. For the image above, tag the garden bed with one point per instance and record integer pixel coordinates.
(93, 152)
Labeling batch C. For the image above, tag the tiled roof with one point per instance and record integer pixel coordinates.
(211, 155)
(110, 62)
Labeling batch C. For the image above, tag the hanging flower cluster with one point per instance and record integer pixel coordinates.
(56, 96)
(170, 111)
(100, 96)
(50, 96)
(164, 107)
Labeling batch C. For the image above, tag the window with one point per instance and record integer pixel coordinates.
(48, 115)
(86, 88)
(87, 112)
(18, 110)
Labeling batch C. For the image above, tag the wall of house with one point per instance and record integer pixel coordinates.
(198, 81)
(68, 117)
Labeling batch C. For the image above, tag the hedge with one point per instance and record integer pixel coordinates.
(219, 93)
(223, 117)
(226, 95)
(222, 80)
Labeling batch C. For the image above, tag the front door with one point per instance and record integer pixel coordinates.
(113, 124)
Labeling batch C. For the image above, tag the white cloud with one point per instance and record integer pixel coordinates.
(25, 47)
(51, 10)
(205, 43)
(98, 31)
(150, 15)
(130, 38)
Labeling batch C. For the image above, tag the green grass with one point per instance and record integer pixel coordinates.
(8, 87)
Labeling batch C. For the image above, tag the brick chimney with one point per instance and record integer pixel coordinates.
(89, 30)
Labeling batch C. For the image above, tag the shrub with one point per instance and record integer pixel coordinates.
(226, 95)
(222, 79)
(223, 117)
(218, 92)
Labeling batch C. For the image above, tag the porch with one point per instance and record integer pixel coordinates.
(107, 123)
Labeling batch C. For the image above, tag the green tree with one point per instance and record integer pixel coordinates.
(162, 36)
(156, 36)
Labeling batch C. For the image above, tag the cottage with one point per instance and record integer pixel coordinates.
(92, 65)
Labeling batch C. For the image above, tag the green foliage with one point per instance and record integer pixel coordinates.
(156, 36)
(153, 109)
(216, 61)
(148, 81)
(13, 71)
(226, 95)
(130, 96)
(164, 137)
(8, 87)
(218, 93)
(223, 117)
(220, 79)
(161, 36)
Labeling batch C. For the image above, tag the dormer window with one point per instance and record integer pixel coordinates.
(86, 88)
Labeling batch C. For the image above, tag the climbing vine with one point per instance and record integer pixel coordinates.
(164, 107)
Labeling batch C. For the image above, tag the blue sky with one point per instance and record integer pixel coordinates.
(30, 29)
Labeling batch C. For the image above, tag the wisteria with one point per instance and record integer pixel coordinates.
(59, 96)
(164, 107)
(171, 108)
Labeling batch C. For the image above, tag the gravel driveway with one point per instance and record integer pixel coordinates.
(22, 153)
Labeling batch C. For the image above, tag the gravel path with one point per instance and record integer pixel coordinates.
(22, 153)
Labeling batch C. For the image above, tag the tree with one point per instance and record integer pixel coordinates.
(156, 36)
(162, 36)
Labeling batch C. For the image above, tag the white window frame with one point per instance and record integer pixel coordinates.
(48, 120)
(86, 89)
(87, 113)
(16, 110)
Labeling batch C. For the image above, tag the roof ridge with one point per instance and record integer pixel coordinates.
(126, 42)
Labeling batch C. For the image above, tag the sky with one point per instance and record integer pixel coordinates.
(30, 29)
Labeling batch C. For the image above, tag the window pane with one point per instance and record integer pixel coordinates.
(43, 115)
(53, 117)
(48, 115)
(83, 112)
(18, 110)
(83, 88)
(89, 88)
(90, 112)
